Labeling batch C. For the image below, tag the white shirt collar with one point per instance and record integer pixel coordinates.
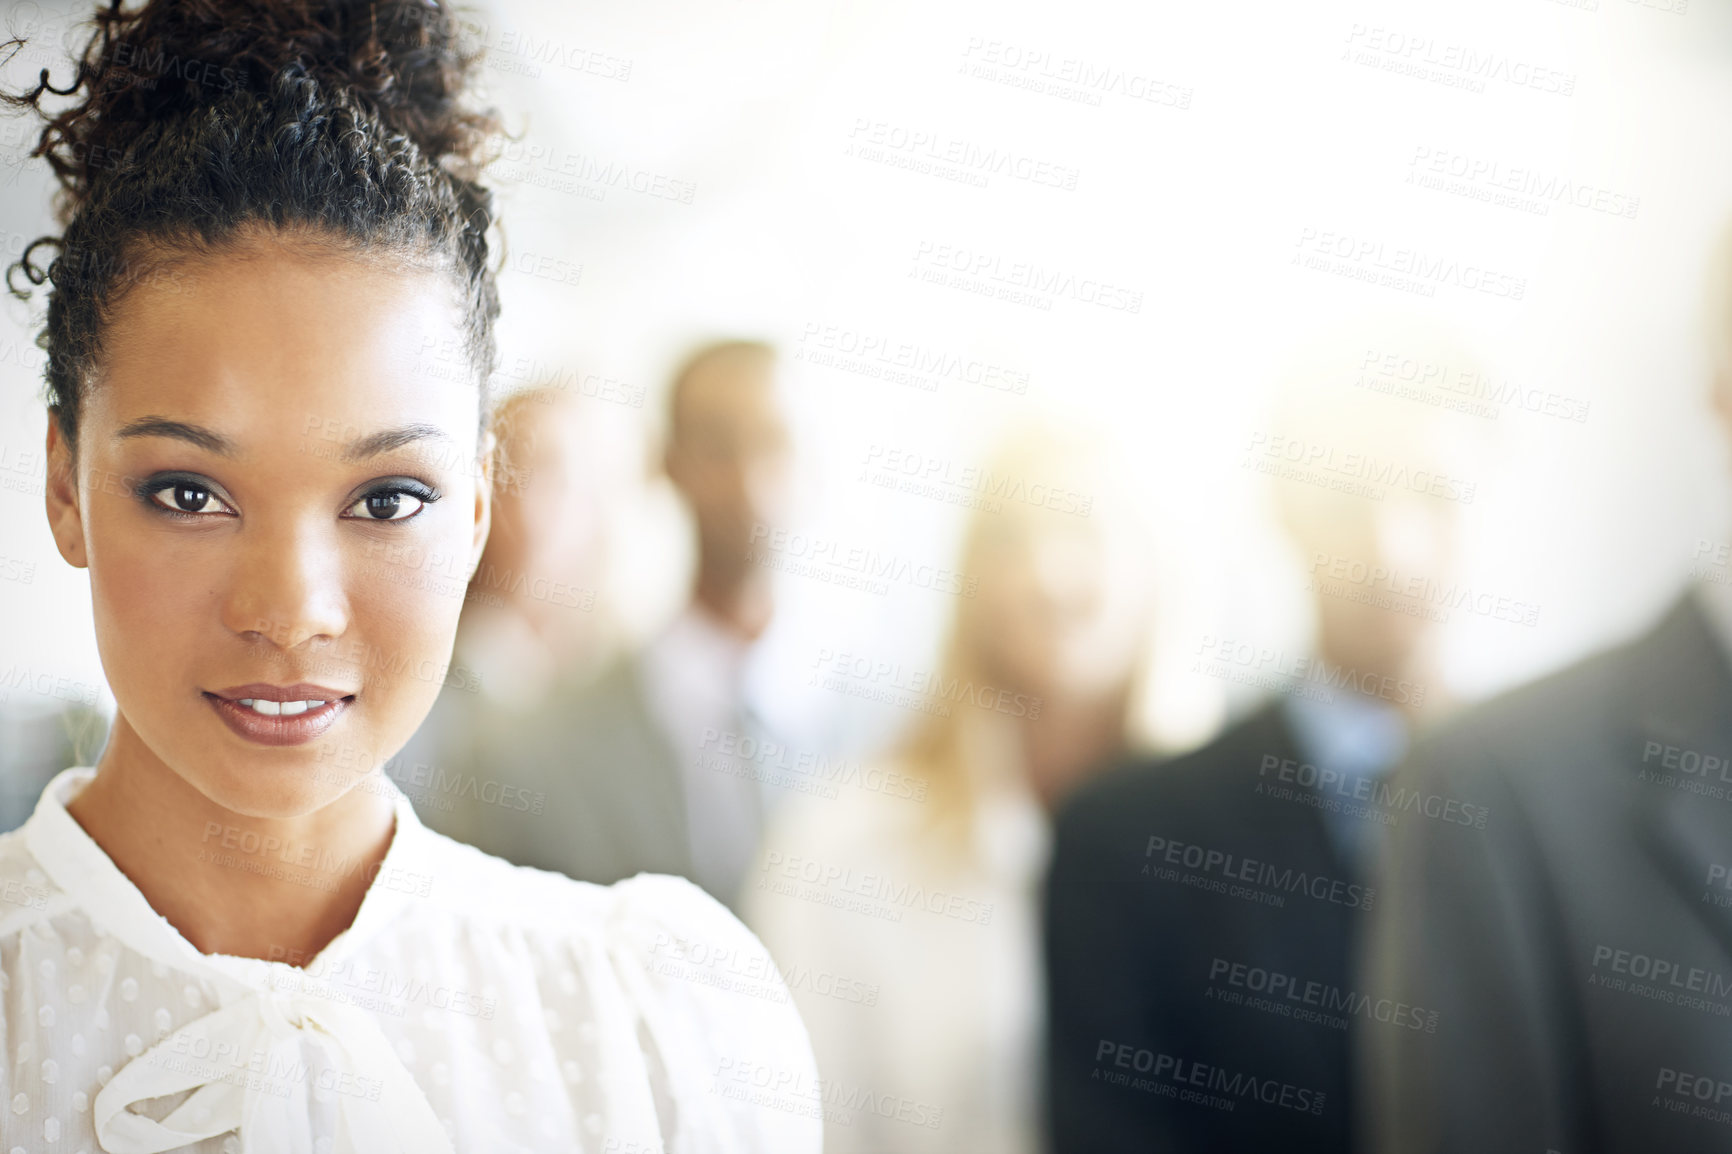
(694, 676)
(1348, 732)
(80, 868)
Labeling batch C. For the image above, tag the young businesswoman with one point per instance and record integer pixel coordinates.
(269, 335)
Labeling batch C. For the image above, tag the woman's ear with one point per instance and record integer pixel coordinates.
(65, 517)
(483, 499)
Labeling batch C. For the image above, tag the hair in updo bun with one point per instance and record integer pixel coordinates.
(193, 122)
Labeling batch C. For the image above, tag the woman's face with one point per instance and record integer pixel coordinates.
(278, 498)
(1048, 618)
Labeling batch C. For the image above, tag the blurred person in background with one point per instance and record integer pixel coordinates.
(1178, 887)
(37, 741)
(535, 615)
(612, 773)
(1576, 950)
(931, 995)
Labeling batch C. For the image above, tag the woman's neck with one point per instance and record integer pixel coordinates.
(275, 888)
(1073, 738)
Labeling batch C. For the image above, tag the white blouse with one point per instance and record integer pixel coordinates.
(472, 1006)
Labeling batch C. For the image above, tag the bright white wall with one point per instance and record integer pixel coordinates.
(760, 106)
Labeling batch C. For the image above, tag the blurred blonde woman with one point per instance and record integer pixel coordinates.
(909, 925)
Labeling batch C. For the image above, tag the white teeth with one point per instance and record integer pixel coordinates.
(278, 708)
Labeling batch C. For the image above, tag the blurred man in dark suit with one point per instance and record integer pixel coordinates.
(630, 767)
(1202, 912)
(1577, 950)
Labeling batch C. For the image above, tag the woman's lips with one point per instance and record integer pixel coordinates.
(284, 715)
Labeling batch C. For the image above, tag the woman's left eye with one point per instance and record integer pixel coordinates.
(188, 498)
(387, 505)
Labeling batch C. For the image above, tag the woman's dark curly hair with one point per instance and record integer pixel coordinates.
(194, 123)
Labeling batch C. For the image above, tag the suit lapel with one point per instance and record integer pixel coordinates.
(1307, 829)
(1685, 718)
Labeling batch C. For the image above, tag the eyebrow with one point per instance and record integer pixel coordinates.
(179, 430)
(384, 442)
(359, 450)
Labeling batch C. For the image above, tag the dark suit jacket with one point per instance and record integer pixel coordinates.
(586, 784)
(1187, 987)
(1578, 950)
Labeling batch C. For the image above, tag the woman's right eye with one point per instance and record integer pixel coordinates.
(188, 497)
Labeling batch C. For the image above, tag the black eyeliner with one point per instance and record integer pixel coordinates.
(155, 483)
(147, 489)
(408, 486)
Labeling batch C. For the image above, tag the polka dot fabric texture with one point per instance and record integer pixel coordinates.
(472, 1006)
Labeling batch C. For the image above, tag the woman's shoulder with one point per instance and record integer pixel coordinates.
(649, 911)
(477, 886)
(714, 1015)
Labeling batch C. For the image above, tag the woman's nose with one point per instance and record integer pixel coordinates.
(287, 586)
